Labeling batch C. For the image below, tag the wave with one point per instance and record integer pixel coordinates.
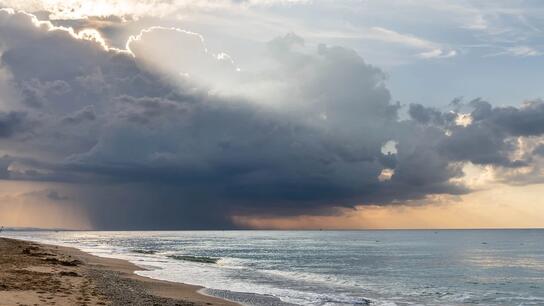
(200, 259)
(140, 251)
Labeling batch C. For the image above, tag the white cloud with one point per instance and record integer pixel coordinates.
(430, 49)
(438, 53)
(517, 51)
(78, 9)
(386, 175)
(523, 51)
(85, 34)
(391, 36)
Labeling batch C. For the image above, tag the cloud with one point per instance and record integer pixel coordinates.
(85, 114)
(80, 9)
(5, 162)
(36, 92)
(173, 133)
(45, 194)
(56, 196)
(523, 51)
(12, 123)
(539, 150)
(146, 109)
(490, 137)
(178, 52)
(527, 120)
(517, 51)
(431, 49)
(426, 115)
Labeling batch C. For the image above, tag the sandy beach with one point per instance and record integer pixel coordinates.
(37, 274)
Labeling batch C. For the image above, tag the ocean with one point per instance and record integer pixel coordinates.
(390, 267)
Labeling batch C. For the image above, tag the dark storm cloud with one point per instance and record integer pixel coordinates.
(490, 138)
(539, 150)
(479, 144)
(12, 123)
(426, 115)
(36, 92)
(146, 109)
(5, 161)
(56, 196)
(527, 120)
(85, 114)
(144, 145)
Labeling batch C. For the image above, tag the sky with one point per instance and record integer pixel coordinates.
(304, 114)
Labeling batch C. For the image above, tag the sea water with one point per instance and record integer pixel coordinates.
(423, 267)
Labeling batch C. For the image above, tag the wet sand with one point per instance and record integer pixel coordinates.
(38, 274)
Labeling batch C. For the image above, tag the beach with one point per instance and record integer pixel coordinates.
(40, 274)
(273, 268)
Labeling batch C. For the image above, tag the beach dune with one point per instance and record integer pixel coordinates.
(38, 274)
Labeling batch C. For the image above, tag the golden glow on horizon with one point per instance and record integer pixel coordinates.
(25, 204)
(502, 207)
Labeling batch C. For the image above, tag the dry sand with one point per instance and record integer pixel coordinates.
(37, 274)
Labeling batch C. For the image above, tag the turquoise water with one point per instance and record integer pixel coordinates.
(446, 267)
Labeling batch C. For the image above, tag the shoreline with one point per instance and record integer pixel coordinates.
(41, 274)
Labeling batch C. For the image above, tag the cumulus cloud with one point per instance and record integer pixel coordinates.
(429, 115)
(156, 131)
(180, 53)
(524, 121)
(491, 136)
